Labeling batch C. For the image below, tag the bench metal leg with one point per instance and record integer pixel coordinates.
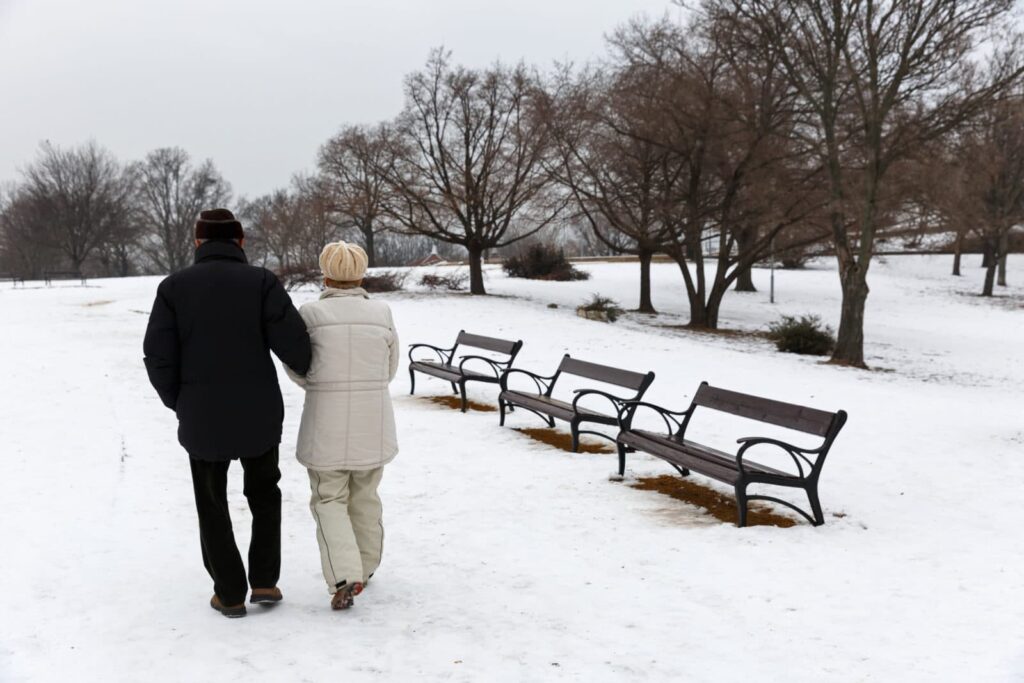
(462, 393)
(574, 427)
(501, 413)
(455, 389)
(622, 459)
(741, 503)
(683, 472)
(812, 496)
(412, 381)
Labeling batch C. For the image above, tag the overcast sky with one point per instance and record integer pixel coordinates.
(254, 85)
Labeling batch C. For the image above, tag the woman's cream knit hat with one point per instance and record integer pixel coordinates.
(343, 262)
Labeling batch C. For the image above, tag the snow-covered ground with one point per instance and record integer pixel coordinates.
(506, 560)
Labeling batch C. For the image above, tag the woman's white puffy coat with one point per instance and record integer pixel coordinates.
(347, 421)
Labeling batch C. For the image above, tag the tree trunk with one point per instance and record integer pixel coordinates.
(371, 257)
(850, 338)
(699, 314)
(476, 271)
(986, 257)
(744, 279)
(645, 282)
(1004, 248)
(958, 248)
(991, 262)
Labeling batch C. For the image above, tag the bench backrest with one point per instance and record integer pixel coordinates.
(478, 341)
(789, 415)
(603, 373)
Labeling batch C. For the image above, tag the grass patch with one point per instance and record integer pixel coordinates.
(722, 332)
(561, 440)
(718, 505)
(456, 403)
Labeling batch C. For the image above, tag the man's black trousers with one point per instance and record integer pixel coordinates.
(220, 554)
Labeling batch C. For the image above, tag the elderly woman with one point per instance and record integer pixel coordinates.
(347, 433)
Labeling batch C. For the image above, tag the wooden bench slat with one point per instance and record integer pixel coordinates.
(603, 373)
(488, 343)
(788, 415)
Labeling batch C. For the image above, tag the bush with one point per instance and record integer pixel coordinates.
(804, 335)
(542, 262)
(385, 281)
(599, 308)
(453, 282)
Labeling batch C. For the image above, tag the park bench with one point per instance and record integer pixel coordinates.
(14, 279)
(738, 470)
(51, 275)
(446, 368)
(548, 408)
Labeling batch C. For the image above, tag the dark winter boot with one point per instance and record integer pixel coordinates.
(266, 596)
(230, 611)
(345, 596)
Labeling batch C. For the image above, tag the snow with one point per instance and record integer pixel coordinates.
(506, 560)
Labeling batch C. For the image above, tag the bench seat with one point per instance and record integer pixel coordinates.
(554, 407)
(691, 455)
(449, 372)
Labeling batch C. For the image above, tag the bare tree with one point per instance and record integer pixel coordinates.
(613, 172)
(733, 178)
(985, 182)
(879, 79)
(354, 164)
(25, 243)
(470, 152)
(275, 228)
(169, 195)
(316, 219)
(84, 196)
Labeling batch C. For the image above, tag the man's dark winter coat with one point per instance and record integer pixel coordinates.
(208, 346)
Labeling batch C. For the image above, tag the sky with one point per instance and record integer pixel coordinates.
(256, 86)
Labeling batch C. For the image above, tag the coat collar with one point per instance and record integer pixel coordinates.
(331, 293)
(220, 250)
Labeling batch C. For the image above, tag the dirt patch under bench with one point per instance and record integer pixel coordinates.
(562, 441)
(456, 403)
(718, 505)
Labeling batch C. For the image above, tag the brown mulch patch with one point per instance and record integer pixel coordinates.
(561, 440)
(456, 403)
(720, 506)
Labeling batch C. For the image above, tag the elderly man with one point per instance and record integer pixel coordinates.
(207, 351)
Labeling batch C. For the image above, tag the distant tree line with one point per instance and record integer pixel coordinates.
(753, 129)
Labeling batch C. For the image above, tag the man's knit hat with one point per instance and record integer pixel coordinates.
(218, 224)
(343, 262)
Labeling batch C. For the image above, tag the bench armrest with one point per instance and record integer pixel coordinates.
(496, 366)
(629, 408)
(439, 351)
(615, 400)
(795, 452)
(539, 380)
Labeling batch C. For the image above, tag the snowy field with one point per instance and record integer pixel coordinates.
(507, 560)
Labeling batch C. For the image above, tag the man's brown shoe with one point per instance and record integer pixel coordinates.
(230, 611)
(266, 596)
